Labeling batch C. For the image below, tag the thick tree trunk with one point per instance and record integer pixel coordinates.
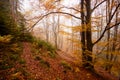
(86, 36)
(83, 33)
(89, 34)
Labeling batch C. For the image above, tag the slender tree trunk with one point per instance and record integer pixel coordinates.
(115, 37)
(46, 26)
(55, 31)
(108, 15)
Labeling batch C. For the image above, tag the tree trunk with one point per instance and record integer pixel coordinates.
(89, 34)
(86, 36)
(83, 33)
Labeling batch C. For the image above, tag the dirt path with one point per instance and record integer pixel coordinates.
(56, 70)
(39, 72)
(67, 57)
(31, 64)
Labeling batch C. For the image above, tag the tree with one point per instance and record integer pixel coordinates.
(111, 48)
(6, 21)
(11, 20)
(86, 24)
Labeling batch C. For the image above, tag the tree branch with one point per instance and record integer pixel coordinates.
(102, 49)
(107, 26)
(59, 8)
(97, 5)
(52, 13)
(71, 8)
(104, 33)
(113, 26)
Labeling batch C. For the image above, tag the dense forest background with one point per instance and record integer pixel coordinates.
(87, 30)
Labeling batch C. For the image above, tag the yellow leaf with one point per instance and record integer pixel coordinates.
(16, 74)
(77, 69)
(49, 4)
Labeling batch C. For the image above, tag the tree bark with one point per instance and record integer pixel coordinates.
(89, 45)
(86, 36)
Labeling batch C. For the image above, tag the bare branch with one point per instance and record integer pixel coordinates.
(113, 26)
(104, 33)
(97, 5)
(107, 26)
(52, 13)
(70, 8)
(37, 17)
(102, 49)
(113, 13)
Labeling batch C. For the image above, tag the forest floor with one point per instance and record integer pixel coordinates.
(61, 67)
(32, 63)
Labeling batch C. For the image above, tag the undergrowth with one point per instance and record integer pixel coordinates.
(11, 49)
(66, 66)
(41, 46)
(26, 37)
(10, 52)
(42, 62)
(45, 45)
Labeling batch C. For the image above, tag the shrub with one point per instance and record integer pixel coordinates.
(22, 61)
(45, 63)
(42, 62)
(45, 46)
(38, 58)
(14, 57)
(52, 54)
(66, 65)
(26, 37)
(10, 52)
(5, 39)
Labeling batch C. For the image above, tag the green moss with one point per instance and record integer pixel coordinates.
(52, 54)
(66, 65)
(26, 37)
(14, 57)
(22, 61)
(44, 63)
(38, 58)
(46, 47)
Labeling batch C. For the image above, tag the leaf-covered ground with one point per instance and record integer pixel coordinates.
(43, 67)
(37, 63)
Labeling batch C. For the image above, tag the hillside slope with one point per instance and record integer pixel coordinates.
(43, 67)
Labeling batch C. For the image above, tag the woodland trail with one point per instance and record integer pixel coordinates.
(67, 57)
(56, 70)
(31, 64)
(39, 72)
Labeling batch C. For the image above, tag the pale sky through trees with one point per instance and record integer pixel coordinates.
(29, 9)
(65, 22)
(33, 8)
